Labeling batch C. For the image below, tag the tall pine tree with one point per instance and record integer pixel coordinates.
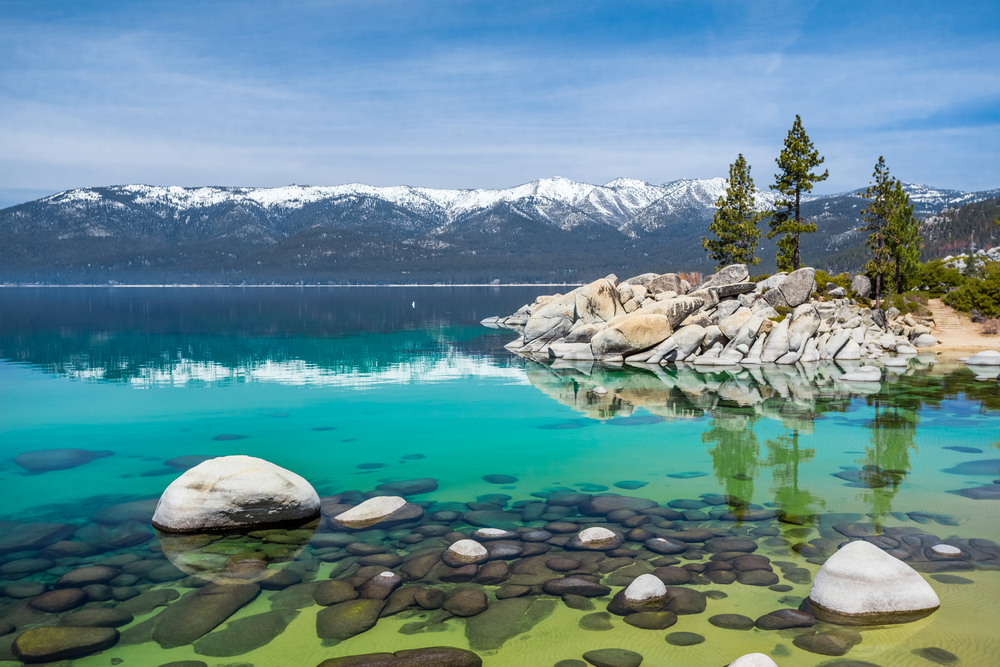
(796, 162)
(877, 218)
(904, 238)
(735, 221)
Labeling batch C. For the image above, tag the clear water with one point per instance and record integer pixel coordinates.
(153, 374)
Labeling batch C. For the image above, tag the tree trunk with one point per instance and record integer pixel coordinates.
(897, 277)
(878, 290)
(798, 220)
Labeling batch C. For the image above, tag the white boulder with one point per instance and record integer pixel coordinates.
(753, 660)
(464, 552)
(234, 492)
(370, 511)
(984, 358)
(863, 585)
(596, 538)
(946, 551)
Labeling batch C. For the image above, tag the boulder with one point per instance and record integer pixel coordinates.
(505, 618)
(632, 333)
(200, 612)
(732, 325)
(598, 302)
(677, 309)
(435, 656)
(776, 345)
(16, 536)
(596, 538)
(753, 660)
(465, 552)
(347, 619)
(797, 286)
(646, 593)
(862, 286)
(924, 340)
(863, 585)
(667, 282)
(370, 512)
(551, 321)
(805, 323)
(234, 492)
(51, 644)
(984, 358)
(613, 657)
(687, 340)
(727, 275)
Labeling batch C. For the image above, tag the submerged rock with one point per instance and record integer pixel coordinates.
(505, 618)
(234, 492)
(370, 512)
(863, 585)
(435, 656)
(46, 460)
(51, 644)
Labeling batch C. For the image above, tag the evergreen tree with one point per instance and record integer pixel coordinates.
(877, 218)
(796, 162)
(735, 221)
(903, 238)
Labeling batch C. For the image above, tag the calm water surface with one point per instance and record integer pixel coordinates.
(356, 387)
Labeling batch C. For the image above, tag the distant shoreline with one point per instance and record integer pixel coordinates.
(9, 285)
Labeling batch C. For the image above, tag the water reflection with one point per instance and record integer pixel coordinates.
(336, 336)
(736, 401)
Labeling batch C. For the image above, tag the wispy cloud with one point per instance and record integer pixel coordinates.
(450, 94)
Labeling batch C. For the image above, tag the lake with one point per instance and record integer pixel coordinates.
(354, 388)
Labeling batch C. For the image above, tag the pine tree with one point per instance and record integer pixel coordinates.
(796, 162)
(735, 221)
(903, 238)
(877, 218)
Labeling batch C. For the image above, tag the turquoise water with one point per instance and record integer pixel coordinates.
(345, 386)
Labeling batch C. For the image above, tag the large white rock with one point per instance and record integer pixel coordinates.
(863, 585)
(465, 551)
(234, 492)
(984, 358)
(646, 588)
(370, 511)
(753, 660)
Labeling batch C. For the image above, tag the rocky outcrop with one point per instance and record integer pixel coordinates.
(234, 492)
(863, 585)
(725, 320)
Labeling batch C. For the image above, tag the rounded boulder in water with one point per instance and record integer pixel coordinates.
(234, 492)
(863, 585)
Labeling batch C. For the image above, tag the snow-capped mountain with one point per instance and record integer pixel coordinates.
(384, 232)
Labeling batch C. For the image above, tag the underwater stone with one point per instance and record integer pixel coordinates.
(347, 619)
(505, 618)
(232, 492)
(200, 612)
(732, 621)
(500, 479)
(464, 552)
(645, 593)
(409, 487)
(370, 512)
(59, 601)
(684, 639)
(435, 656)
(596, 539)
(51, 644)
(46, 460)
(245, 634)
(613, 657)
(753, 660)
(862, 585)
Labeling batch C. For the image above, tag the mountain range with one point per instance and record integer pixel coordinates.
(552, 229)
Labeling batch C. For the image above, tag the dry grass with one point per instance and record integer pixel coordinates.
(991, 326)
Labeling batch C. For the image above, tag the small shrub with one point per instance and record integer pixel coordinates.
(982, 294)
(783, 312)
(976, 316)
(840, 280)
(757, 279)
(991, 326)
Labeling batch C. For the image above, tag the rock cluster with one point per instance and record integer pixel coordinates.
(724, 320)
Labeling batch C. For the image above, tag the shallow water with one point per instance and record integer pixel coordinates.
(330, 382)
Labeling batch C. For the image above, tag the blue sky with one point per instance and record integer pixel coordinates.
(490, 94)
